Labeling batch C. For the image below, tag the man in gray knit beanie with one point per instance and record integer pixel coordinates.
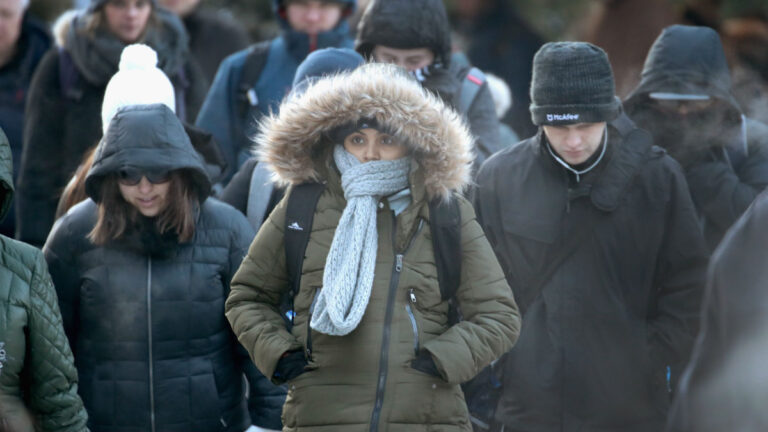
(572, 83)
(599, 239)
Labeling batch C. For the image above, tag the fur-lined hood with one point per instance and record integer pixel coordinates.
(441, 144)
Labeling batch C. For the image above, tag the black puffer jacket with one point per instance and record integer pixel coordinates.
(145, 314)
(424, 24)
(63, 117)
(724, 154)
(596, 341)
(724, 385)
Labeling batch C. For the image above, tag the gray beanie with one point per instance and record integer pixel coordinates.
(98, 4)
(572, 83)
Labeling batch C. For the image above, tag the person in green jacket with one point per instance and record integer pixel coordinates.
(38, 379)
(372, 346)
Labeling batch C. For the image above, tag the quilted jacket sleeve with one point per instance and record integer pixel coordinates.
(257, 288)
(53, 394)
(491, 322)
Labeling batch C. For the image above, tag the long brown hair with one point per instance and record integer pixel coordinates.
(74, 192)
(116, 215)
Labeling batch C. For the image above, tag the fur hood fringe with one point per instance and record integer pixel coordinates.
(437, 136)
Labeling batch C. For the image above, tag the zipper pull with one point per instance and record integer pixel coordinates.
(399, 263)
(413, 296)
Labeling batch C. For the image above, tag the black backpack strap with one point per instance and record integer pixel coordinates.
(252, 68)
(445, 225)
(300, 212)
(470, 87)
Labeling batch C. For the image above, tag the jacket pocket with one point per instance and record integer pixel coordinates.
(410, 309)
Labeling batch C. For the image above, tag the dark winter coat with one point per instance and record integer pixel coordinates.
(599, 333)
(63, 118)
(213, 35)
(38, 380)
(725, 171)
(408, 24)
(364, 381)
(723, 388)
(227, 112)
(15, 77)
(145, 314)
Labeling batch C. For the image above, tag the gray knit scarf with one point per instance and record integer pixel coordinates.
(349, 268)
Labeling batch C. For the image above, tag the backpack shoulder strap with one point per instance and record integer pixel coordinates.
(259, 193)
(445, 225)
(470, 87)
(300, 212)
(252, 68)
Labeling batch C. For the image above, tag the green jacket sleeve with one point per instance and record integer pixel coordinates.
(53, 394)
(491, 322)
(252, 307)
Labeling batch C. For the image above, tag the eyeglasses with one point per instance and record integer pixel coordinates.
(132, 177)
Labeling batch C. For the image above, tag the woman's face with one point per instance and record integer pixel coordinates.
(148, 192)
(127, 19)
(370, 144)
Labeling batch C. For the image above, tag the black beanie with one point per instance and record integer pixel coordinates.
(572, 83)
(97, 4)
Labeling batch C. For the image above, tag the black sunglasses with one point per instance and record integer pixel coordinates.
(132, 177)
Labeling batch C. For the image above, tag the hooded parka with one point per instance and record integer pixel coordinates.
(63, 118)
(38, 380)
(144, 313)
(619, 308)
(725, 173)
(231, 112)
(723, 387)
(424, 24)
(363, 381)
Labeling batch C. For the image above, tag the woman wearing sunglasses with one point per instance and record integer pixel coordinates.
(142, 270)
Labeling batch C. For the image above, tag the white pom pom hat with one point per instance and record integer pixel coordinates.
(137, 82)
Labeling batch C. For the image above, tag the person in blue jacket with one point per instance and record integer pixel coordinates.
(252, 82)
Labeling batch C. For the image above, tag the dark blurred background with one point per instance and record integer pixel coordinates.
(500, 36)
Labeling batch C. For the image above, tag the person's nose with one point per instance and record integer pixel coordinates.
(145, 186)
(372, 152)
(573, 140)
(313, 14)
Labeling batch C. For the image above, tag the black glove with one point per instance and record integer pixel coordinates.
(425, 363)
(290, 365)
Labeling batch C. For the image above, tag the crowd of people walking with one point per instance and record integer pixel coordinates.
(339, 230)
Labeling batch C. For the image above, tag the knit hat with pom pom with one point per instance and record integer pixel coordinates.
(137, 82)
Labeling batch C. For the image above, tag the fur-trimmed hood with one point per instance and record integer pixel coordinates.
(294, 141)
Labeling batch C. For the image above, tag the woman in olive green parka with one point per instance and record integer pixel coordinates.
(398, 366)
(38, 380)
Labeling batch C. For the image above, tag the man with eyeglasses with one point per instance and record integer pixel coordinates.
(684, 99)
